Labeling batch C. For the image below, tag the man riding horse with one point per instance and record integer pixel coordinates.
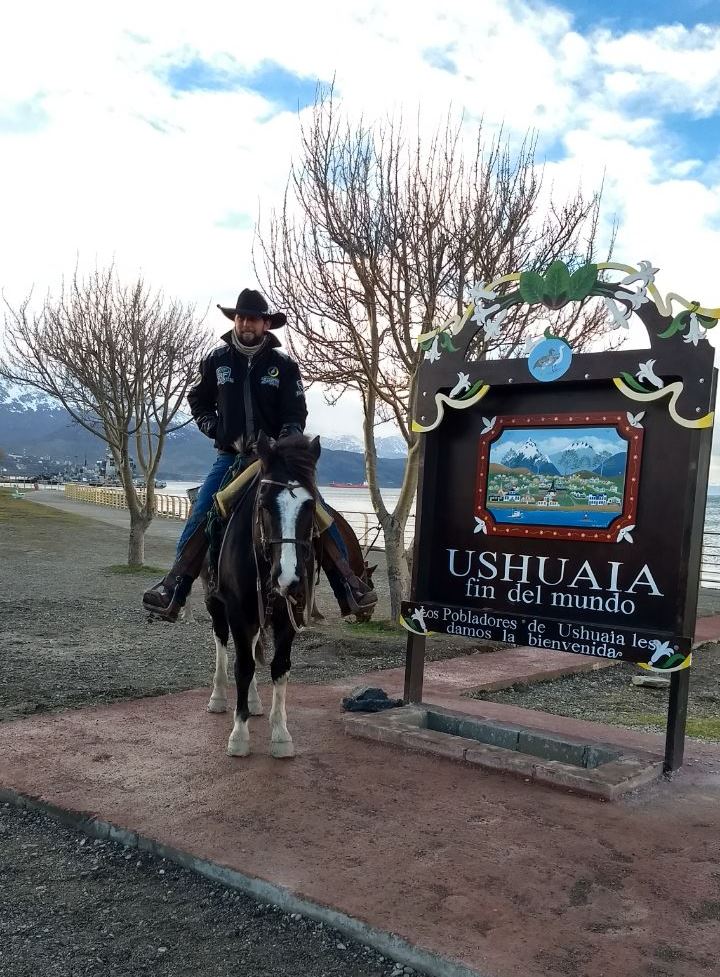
(247, 385)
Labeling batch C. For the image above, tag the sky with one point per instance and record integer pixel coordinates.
(154, 134)
(549, 443)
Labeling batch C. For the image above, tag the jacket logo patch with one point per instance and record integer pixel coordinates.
(271, 378)
(224, 375)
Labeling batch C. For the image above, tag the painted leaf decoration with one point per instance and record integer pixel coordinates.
(532, 287)
(707, 322)
(557, 282)
(549, 334)
(669, 663)
(447, 343)
(582, 282)
(677, 325)
(472, 391)
(632, 382)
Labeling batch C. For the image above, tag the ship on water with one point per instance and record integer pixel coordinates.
(355, 485)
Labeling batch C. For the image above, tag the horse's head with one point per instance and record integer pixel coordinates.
(285, 512)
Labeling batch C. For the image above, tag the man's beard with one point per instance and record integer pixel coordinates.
(250, 339)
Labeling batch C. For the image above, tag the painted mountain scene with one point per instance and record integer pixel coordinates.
(557, 476)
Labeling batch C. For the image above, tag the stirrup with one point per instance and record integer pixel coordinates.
(170, 613)
(370, 600)
(161, 590)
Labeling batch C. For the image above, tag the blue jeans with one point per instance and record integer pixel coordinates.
(211, 485)
(203, 502)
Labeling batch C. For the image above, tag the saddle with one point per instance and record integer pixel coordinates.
(229, 497)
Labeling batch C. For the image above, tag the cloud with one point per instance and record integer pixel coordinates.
(235, 220)
(159, 141)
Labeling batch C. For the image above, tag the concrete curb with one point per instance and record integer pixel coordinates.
(596, 769)
(393, 947)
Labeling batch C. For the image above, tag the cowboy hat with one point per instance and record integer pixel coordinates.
(252, 303)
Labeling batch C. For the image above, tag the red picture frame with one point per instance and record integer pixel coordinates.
(621, 422)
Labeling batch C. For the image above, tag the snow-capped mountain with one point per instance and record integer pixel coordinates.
(342, 442)
(579, 456)
(527, 456)
(390, 447)
(17, 399)
(38, 435)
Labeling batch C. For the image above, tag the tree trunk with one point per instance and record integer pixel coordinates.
(136, 545)
(397, 569)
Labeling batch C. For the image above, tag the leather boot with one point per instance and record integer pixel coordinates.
(167, 597)
(358, 597)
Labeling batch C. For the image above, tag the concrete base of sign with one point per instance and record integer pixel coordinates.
(598, 769)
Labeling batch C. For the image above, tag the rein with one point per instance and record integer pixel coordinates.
(265, 544)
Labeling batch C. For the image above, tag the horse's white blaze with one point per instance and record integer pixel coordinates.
(289, 506)
(239, 742)
(281, 744)
(218, 699)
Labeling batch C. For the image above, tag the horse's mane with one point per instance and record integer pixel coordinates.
(295, 454)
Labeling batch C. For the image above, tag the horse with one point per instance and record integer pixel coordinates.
(265, 581)
(358, 564)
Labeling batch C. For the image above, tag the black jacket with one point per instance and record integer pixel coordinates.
(237, 396)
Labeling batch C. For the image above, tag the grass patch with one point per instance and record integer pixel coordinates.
(19, 511)
(366, 628)
(704, 729)
(700, 728)
(122, 569)
(644, 719)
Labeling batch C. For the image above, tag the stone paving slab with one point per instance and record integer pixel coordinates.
(486, 671)
(707, 628)
(509, 879)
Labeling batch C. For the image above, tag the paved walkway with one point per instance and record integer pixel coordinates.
(507, 878)
(160, 528)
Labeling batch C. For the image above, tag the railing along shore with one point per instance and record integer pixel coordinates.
(364, 524)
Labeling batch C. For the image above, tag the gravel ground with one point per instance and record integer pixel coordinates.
(74, 906)
(610, 697)
(74, 633)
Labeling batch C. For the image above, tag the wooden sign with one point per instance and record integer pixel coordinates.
(566, 490)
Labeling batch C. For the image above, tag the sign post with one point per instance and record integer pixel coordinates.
(562, 495)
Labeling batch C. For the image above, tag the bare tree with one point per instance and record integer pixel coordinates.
(379, 238)
(120, 359)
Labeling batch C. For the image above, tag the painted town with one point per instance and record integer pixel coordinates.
(563, 477)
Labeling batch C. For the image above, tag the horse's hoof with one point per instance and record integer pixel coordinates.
(282, 750)
(217, 705)
(238, 748)
(256, 708)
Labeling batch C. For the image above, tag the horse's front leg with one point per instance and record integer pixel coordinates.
(239, 742)
(221, 634)
(254, 702)
(281, 744)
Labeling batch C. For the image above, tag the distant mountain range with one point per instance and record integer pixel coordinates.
(578, 456)
(37, 434)
(527, 456)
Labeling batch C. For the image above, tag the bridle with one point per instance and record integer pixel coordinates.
(266, 543)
